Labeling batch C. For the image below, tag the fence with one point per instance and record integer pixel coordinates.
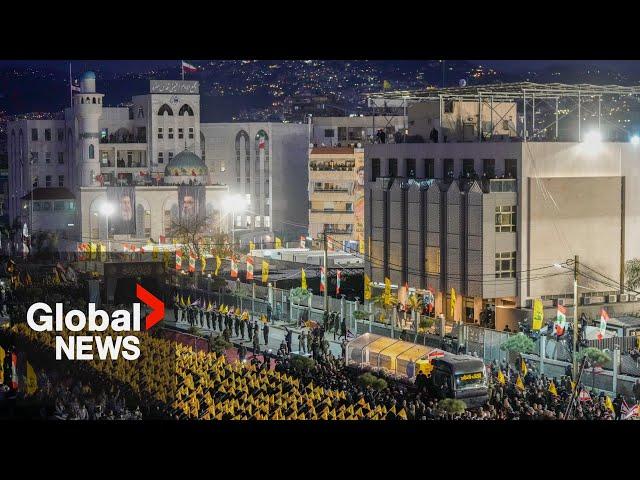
(625, 344)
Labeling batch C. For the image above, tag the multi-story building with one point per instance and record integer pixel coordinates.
(344, 131)
(268, 163)
(336, 194)
(497, 220)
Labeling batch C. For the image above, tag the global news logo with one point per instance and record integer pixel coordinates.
(40, 317)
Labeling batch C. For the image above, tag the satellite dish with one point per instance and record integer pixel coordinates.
(462, 82)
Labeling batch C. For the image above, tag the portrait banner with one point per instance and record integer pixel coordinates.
(191, 202)
(123, 219)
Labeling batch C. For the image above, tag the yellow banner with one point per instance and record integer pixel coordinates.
(387, 290)
(32, 380)
(278, 243)
(154, 253)
(218, 263)
(252, 246)
(538, 314)
(367, 287)
(453, 303)
(303, 277)
(265, 271)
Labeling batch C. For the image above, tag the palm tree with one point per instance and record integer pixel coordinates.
(385, 303)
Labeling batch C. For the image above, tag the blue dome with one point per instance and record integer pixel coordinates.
(185, 164)
(89, 75)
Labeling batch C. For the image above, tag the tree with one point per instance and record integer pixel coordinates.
(299, 295)
(452, 406)
(632, 273)
(518, 343)
(385, 303)
(596, 358)
(219, 345)
(368, 379)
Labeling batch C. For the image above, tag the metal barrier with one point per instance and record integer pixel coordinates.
(624, 343)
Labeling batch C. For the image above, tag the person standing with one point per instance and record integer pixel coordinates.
(269, 311)
(265, 335)
(302, 342)
(288, 338)
(250, 329)
(256, 345)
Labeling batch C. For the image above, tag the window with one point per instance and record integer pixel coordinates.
(506, 265)
(46, 206)
(129, 158)
(433, 260)
(35, 182)
(61, 134)
(467, 167)
(190, 132)
(34, 134)
(170, 155)
(506, 218)
(393, 167)
(92, 152)
(47, 181)
(510, 168)
(267, 221)
(47, 157)
(47, 134)
(411, 168)
(348, 207)
(165, 110)
(238, 220)
(170, 132)
(34, 157)
(342, 134)
(60, 158)
(104, 134)
(447, 168)
(61, 180)
(489, 167)
(185, 109)
(257, 221)
(328, 133)
(160, 136)
(430, 167)
(160, 157)
(375, 169)
(140, 112)
(58, 205)
(180, 133)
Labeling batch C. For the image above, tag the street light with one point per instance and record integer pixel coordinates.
(107, 210)
(234, 204)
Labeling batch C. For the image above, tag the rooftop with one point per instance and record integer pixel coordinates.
(332, 150)
(53, 193)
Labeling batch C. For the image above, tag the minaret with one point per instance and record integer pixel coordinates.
(87, 107)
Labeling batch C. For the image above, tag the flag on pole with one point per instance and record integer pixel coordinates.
(361, 247)
(203, 262)
(154, 253)
(252, 246)
(234, 268)
(303, 241)
(523, 367)
(14, 370)
(249, 268)
(584, 396)
(367, 287)
(3, 354)
(629, 412)
(265, 271)
(188, 68)
(520, 384)
(561, 320)
(604, 318)
(323, 279)
(32, 380)
(178, 259)
(192, 262)
(278, 243)
(338, 282)
(303, 279)
(538, 315)
(218, 263)
(608, 403)
(501, 379)
(552, 389)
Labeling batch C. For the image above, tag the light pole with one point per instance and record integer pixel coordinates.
(107, 210)
(234, 204)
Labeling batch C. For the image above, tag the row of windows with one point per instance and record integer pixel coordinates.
(448, 168)
(47, 134)
(170, 133)
(94, 100)
(48, 181)
(56, 206)
(47, 157)
(161, 157)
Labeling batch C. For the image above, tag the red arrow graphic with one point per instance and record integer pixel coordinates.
(157, 306)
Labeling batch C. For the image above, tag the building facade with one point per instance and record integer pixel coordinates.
(336, 195)
(495, 221)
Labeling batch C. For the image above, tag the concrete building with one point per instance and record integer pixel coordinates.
(331, 131)
(490, 220)
(336, 194)
(267, 162)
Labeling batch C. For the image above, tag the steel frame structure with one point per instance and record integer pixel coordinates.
(524, 93)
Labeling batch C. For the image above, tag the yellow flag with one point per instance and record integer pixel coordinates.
(367, 287)
(553, 390)
(538, 315)
(519, 384)
(203, 261)
(387, 290)
(501, 379)
(154, 253)
(278, 243)
(573, 385)
(2, 355)
(165, 258)
(386, 85)
(252, 246)
(361, 247)
(218, 263)
(453, 303)
(265, 271)
(93, 249)
(303, 277)
(523, 367)
(32, 381)
(608, 403)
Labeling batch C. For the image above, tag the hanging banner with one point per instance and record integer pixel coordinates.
(403, 293)
(538, 315)
(387, 290)
(123, 219)
(303, 279)
(203, 263)
(361, 246)
(338, 282)
(323, 279)
(561, 320)
(358, 200)
(218, 263)
(191, 202)
(604, 318)
(278, 243)
(234, 268)
(265, 271)
(303, 241)
(178, 259)
(249, 268)
(453, 303)
(367, 287)
(192, 262)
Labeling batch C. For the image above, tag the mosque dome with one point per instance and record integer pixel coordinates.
(185, 166)
(89, 75)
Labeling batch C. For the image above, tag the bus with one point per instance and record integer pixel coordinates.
(462, 377)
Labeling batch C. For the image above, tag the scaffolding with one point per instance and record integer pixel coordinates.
(555, 100)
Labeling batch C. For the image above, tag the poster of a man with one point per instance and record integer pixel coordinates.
(358, 204)
(123, 220)
(191, 201)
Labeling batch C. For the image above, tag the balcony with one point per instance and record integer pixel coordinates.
(318, 210)
(503, 185)
(124, 139)
(331, 190)
(123, 164)
(332, 167)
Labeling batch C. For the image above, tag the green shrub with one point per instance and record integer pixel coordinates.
(301, 364)
(370, 380)
(426, 323)
(219, 345)
(595, 356)
(518, 343)
(452, 405)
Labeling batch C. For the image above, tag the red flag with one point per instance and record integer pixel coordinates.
(187, 67)
(249, 268)
(323, 279)
(338, 282)
(14, 370)
(604, 318)
(234, 268)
